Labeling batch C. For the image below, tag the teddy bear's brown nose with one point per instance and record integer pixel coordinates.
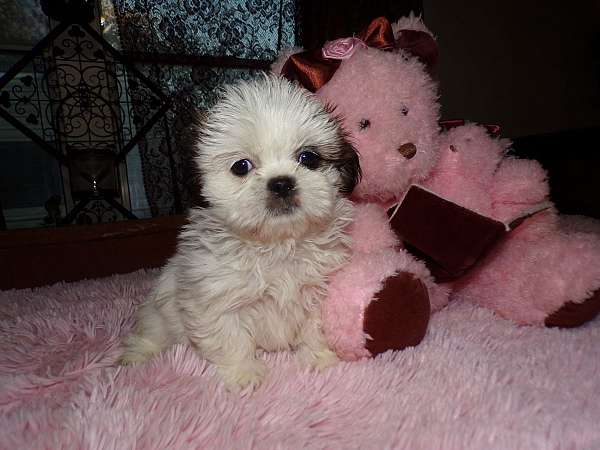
(408, 150)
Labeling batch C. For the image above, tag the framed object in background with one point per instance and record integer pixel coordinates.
(69, 95)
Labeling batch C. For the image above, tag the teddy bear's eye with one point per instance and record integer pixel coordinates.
(404, 110)
(364, 124)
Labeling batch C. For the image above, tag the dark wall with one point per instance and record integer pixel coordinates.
(572, 159)
(322, 20)
(531, 66)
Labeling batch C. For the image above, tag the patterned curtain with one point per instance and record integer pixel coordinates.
(189, 48)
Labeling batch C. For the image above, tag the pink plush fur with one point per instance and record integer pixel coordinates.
(536, 271)
(405, 111)
(474, 172)
(467, 157)
(541, 266)
(375, 257)
(474, 382)
(519, 184)
(387, 99)
(370, 229)
(393, 122)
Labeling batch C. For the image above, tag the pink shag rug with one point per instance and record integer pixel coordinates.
(476, 382)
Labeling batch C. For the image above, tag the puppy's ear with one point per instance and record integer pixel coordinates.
(347, 163)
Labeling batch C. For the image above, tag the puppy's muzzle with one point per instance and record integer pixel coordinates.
(282, 187)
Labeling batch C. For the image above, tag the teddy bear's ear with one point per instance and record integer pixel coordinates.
(414, 38)
(282, 57)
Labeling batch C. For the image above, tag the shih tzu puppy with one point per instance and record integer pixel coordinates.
(251, 266)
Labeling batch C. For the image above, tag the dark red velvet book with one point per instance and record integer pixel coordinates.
(448, 237)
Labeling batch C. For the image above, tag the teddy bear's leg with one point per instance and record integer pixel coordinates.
(380, 301)
(543, 273)
(573, 314)
(399, 316)
(383, 295)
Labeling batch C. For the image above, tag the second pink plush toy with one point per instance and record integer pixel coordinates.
(546, 271)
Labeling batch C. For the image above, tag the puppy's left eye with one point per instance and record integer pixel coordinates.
(242, 167)
(310, 160)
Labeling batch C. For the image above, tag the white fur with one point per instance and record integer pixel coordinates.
(245, 279)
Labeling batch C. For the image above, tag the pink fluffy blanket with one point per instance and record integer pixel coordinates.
(476, 382)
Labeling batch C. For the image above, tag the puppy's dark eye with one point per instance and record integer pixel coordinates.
(404, 110)
(310, 160)
(364, 124)
(242, 167)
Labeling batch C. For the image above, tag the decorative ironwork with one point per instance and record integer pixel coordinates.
(98, 210)
(74, 94)
(71, 95)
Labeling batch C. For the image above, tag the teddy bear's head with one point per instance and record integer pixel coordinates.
(388, 104)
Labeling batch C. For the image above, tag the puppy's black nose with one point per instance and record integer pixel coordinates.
(281, 186)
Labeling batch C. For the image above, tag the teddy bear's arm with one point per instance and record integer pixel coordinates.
(473, 197)
(447, 236)
(370, 230)
(464, 173)
(520, 185)
(473, 171)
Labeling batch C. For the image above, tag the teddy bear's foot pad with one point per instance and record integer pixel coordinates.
(575, 314)
(399, 316)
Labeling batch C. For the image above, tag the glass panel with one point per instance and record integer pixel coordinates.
(30, 181)
(31, 191)
(135, 178)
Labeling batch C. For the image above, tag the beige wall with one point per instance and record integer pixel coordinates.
(531, 66)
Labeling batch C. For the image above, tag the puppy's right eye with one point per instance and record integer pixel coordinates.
(241, 168)
(309, 159)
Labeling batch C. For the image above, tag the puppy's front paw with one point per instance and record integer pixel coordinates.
(137, 349)
(131, 356)
(316, 359)
(242, 375)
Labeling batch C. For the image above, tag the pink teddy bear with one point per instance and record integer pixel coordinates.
(546, 271)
